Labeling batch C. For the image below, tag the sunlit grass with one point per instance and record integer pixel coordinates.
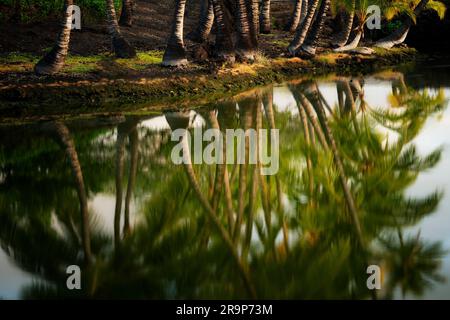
(82, 64)
(17, 62)
(23, 62)
(142, 60)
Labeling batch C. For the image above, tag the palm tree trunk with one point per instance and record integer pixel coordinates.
(346, 104)
(304, 12)
(53, 61)
(309, 168)
(399, 35)
(223, 48)
(245, 49)
(313, 97)
(175, 54)
(253, 10)
(265, 22)
(296, 16)
(303, 28)
(201, 33)
(121, 46)
(126, 16)
(245, 107)
(227, 121)
(353, 44)
(177, 122)
(120, 159)
(303, 102)
(66, 141)
(342, 37)
(256, 172)
(310, 44)
(134, 151)
(220, 167)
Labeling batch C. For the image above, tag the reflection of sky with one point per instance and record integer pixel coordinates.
(436, 227)
(12, 279)
(434, 134)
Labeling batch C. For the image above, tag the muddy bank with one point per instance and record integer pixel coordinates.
(180, 88)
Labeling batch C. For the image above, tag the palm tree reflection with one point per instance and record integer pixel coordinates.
(336, 205)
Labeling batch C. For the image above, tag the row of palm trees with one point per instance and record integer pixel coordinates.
(238, 24)
(337, 203)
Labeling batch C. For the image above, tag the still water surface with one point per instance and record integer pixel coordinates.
(104, 194)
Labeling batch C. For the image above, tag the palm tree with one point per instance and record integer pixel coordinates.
(180, 120)
(300, 9)
(66, 141)
(359, 16)
(121, 46)
(244, 25)
(53, 61)
(265, 21)
(126, 16)
(340, 39)
(327, 139)
(120, 158)
(399, 35)
(128, 128)
(412, 264)
(223, 48)
(134, 157)
(303, 28)
(201, 33)
(310, 44)
(253, 11)
(175, 54)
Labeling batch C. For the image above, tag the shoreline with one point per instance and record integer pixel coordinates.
(199, 86)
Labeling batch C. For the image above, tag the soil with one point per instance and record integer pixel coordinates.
(179, 88)
(150, 30)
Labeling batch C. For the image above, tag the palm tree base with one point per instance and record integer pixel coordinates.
(306, 52)
(49, 64)
(174, 62)
(246, 55)
(45, 69)
(292, 51)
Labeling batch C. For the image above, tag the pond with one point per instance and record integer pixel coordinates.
(361, 180)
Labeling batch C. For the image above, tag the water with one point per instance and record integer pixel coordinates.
(148, 221)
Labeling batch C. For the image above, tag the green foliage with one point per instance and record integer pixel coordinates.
(36, 10)
(391, 26)
(438, 7)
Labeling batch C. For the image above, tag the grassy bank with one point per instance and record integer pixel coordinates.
(105, 84)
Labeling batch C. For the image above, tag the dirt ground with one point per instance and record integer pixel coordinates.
(149, 32)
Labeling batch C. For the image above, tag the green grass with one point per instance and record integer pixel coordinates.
(16, 57)
(22, 62)
(142, 60)
(381, 52)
